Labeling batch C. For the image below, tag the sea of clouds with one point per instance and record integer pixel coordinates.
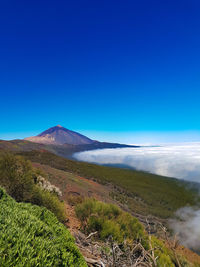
(181, 161)
(175, 160)
(186, 226)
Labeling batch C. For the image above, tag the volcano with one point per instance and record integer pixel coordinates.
(59, 135)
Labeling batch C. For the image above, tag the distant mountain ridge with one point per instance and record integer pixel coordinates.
(59, 135)
(58, 140)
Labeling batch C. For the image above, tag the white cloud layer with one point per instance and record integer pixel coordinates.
(187, 227)
(175, 160)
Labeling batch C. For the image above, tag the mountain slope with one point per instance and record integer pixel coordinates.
(59, 135)
(144, 193)
(32, 236)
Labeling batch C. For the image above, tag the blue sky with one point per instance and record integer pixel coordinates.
(111, 69)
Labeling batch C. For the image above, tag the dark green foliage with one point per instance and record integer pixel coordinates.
(17, 177)
(147, 193)
(32, 236)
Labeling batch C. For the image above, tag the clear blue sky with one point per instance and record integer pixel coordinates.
(110, 67)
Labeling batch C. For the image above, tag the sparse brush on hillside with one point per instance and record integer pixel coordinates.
(147, 193)
(125, 236)
(19, 179)
(32, 236)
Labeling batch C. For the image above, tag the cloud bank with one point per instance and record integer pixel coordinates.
(177, 160)
(187, 227)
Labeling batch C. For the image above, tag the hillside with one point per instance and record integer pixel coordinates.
(141, 192)
(32, 236)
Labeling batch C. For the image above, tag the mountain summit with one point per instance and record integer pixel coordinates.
(59, 135)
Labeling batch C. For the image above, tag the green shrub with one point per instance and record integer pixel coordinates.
(32, 236)
(109, 220)
(163, 254)
(17, 176)
(50, 201)
(130, 227)
(111, 228)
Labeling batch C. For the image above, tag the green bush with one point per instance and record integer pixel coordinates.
(50, 201)
(32, 236)
(17, 176)
(130, 226)
(111, 228)
(163, 254)
(109, 220)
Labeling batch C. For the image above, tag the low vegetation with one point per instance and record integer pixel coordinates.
(19, 179)
(127, 237)
(109, 220)
(32, 236)
(147, 193)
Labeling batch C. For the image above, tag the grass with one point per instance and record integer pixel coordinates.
(32, 236)
(147, 193)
